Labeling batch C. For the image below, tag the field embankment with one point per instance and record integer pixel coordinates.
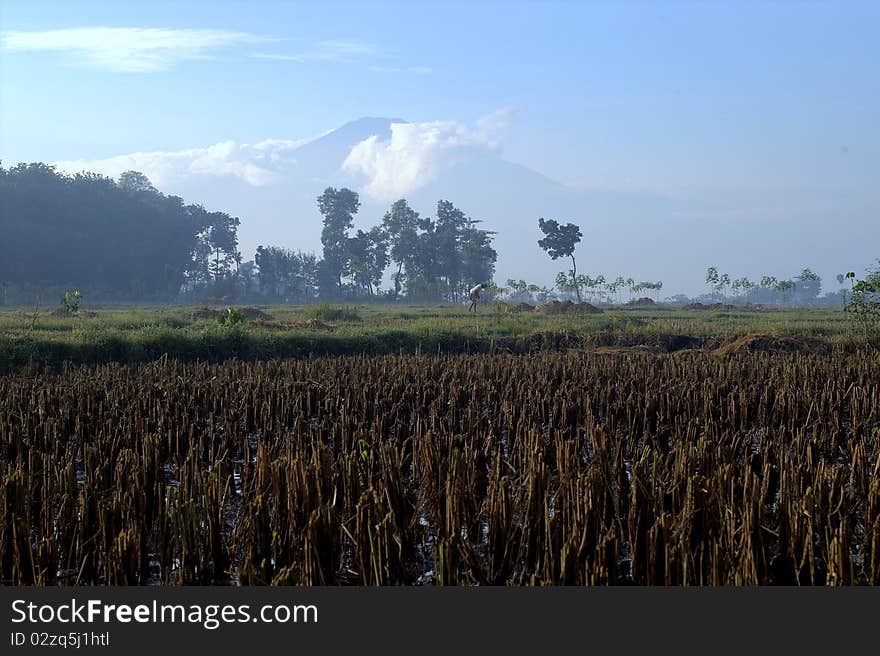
(204, 334)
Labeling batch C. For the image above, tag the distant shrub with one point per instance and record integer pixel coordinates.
(327, 312)
(231, 317)
(71, 302)
(863, 306)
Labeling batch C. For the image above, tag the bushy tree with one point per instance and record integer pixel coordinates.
(864, 302)
(808, 284)
(783, 288)
(286, 275)
(437, 258)
(401, 226)
(367, 259)
(337, 208)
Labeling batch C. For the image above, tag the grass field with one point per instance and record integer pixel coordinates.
(140, 334)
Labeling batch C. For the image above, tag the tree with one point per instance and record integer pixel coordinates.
(768, 282)
(647, 284)
(540, 294)
(400, 225)
(864, 304)
(566, 282)
(285, 275)
(842, 278)
(712, 278)
(437, 258)
(745, 286)
(741, 286)
(136, 182)
(248, 278)
(220, 237)
(809, 284)
(338, 208)
(421, 269)
(560, 241)
(614, 287)
(477, 255)
(783, 287)
(594, 285)
(722, 284)
(450, 230)
(517, 287)
(654, 287)
(368, 259)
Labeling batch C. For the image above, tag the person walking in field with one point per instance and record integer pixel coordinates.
(474, 295)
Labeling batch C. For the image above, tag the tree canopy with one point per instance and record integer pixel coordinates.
(125, 240)
(113, 240)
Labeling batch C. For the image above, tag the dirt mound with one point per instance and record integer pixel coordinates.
(526, 307)
(314, 324)
(254, 313)
(205, 313)
(644, 301)
(616, 350)
(61, 312)
(564, 307)
(713, 306)
(250, 312)
(767, 343)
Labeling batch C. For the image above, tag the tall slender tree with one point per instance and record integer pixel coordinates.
(400, 225)
(337, 208)
(367, 259)
(560, 241)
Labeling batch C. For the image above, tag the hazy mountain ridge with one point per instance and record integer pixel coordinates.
(642, 234)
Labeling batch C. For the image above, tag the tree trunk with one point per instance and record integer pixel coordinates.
(574, 280)
(397, 280)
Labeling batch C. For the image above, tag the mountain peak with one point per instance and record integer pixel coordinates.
(372, 120)
(367, 126)
(323, 156)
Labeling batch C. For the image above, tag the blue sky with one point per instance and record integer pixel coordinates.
(716, 101)
(656, 95)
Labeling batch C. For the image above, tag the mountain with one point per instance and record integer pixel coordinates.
(323, 157)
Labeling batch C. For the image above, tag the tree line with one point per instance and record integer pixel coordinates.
(125, 240)
(802, 289)
(430, 258)
(114, 240)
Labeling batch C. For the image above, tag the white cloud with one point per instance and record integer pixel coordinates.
(332, 50)
(412, 157)
(417, 152)
(256, 164)
(127, 49)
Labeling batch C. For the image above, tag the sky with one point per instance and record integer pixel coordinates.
(735, 106)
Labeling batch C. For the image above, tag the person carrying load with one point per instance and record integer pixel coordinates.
(474, 296)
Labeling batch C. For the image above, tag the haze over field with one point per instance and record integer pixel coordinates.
(677, 136)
